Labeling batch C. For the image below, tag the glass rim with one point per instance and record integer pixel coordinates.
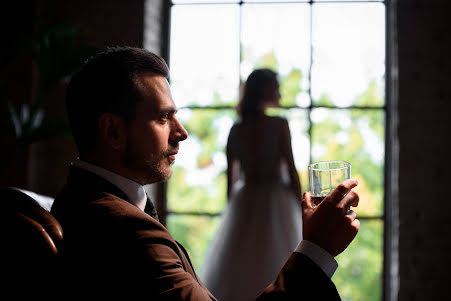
(346, 165)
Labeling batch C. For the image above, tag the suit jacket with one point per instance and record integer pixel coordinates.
(114, 249)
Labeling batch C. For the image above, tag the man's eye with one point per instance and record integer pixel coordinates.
(165, 116)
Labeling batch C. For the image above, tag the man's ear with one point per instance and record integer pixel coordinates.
(112, 130)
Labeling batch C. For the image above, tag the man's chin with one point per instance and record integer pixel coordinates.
(168, 175)
(162, 176)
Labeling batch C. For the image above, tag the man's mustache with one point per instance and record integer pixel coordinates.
(173, 150)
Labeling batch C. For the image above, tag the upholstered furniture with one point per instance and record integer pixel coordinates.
(31, 238)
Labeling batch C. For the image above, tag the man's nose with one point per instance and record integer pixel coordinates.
(179, 131)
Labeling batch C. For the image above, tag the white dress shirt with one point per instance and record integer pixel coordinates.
(138, 197)
(321, 257)
(135, 191)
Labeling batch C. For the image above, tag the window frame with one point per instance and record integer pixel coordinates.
(390, 274)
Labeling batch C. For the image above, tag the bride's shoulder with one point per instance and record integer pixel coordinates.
(236, 126)
(278, 120)
(235, 129)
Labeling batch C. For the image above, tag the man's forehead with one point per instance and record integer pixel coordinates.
(150, 80)
(155, 88)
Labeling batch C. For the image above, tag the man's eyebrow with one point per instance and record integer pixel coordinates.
(168, 110)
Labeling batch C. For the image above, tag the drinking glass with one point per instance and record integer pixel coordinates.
(324, 176)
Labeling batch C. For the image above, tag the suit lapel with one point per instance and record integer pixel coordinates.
(187, 263)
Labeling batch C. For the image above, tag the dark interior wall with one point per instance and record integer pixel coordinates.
(42, 166)
(104, 22)
(17, 19)
(424, 45)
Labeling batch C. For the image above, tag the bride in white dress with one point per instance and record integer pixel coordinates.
(262, 224)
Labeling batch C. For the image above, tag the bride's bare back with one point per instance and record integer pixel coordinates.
(258, 145)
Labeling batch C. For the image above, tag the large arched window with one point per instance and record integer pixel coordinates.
(331, 58)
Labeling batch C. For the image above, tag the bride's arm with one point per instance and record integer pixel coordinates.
(287, 154)
(232, 163)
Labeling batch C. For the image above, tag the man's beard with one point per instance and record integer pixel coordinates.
(149, 167)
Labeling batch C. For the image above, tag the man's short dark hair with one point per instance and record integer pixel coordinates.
(106, 83)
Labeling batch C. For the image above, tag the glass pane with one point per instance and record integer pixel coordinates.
(348, 54)
(198, 182)
(359, 273)
(278, 37)
(356, 136)
(204, 54)
(195, 234)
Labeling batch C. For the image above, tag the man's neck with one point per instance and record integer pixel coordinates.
(134, 190)
(105, 163)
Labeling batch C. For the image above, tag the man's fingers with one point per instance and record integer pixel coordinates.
(306, 203)
(340, 191)
(355, 225)
(351, 199)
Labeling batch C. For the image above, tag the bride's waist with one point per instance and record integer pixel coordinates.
(249, 180)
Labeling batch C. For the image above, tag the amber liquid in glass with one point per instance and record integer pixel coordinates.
(317, 199)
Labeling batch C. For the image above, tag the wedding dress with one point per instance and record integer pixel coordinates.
(262, 224)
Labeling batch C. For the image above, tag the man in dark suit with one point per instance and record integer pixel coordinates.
(123, 120)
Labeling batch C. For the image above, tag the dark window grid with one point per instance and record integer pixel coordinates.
(227, 107)
(216, 214)
(309, 108)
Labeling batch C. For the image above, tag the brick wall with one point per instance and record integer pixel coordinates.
(424, 45)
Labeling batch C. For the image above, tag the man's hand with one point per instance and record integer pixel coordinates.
(331, 225)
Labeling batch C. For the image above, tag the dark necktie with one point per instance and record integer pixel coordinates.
(150, 209)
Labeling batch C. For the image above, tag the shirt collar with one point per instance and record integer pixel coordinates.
(135, 191)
